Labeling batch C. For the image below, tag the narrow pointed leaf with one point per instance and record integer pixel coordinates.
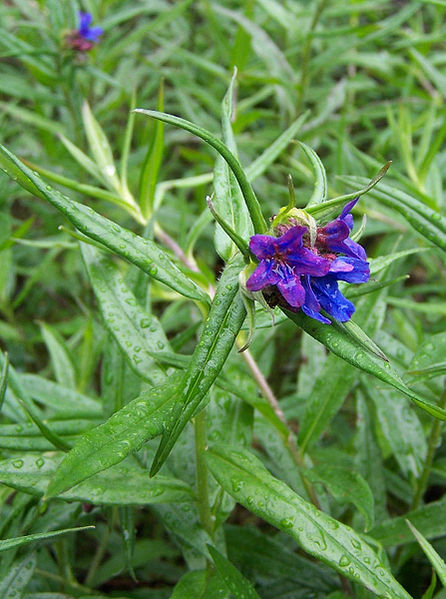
(142, 252)
(217, 338)
(6, 544)
(137, 333)
(320, 178)
(233, 162)
(239, 586)
(346, 348)
(432, 555)
(245, 478)
(127, 430)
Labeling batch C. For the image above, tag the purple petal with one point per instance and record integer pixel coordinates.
(94, 33)
(341, 264)
(359, 270)
(354, 250)
(262, 276)
(291, 240)
(311, 306)
(291, 289)
(335, 231)
(85, 18)
(263, 246)
(331, 299)
(347, 208)
(304, 262)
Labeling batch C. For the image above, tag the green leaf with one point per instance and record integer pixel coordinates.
(138, 334)
(122, 484)
(432, 555)
(236, 583)
(60, 358)
(142, 252)
(346, 348)
(246, 479)
(251, 201)
(345, 485)
(320, 178)
(429, 223)
(17, 578)
(228, 201)
(6, 544)
(152, 162)
(225, 319)
(429, 519)
(100, 147)
(429, 592)
(198, 584)
(4, 379)
(127, 430)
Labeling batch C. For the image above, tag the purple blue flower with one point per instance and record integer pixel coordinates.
(91, 34)
(307, 276)
(282, 261)
(85, 37)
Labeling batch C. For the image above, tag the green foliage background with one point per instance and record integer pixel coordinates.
(286, 471)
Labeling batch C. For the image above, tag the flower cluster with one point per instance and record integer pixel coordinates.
(85, 37)
(306, 271)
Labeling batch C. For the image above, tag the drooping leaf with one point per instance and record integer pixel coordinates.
(6, 544)
(236, 583)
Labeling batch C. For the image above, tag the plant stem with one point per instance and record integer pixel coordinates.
(202, 473)
(434, 438)
(291, 444)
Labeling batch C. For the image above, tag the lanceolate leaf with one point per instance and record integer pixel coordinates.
(219, 332)
(320, 178)
(239, 586)
(6, 544)
(138, 334)
(246, 479)
(428, 222)
(434, 558)
(341, 344)
(123, 484)
(139, 251)
(248, 193)
(127, 430)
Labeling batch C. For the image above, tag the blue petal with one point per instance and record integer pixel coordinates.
(262, 276)
(85, 18)
(93, 34)
(311, 307)
(291, 288)
(331, 299)
(351, 270)
(354, 249)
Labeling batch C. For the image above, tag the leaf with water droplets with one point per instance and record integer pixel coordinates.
(145, 254)
(325, 538)
(217, 338)
(19, 574)
(122, 484)
(127, 430)
(138, 334)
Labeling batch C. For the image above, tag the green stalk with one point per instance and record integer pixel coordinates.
(248, 193)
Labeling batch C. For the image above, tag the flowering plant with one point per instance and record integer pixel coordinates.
(298, 272)
(84, 37)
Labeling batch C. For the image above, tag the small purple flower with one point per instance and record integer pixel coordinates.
(91, 34)
(307, 277)
(85, 37)
(282, 262)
